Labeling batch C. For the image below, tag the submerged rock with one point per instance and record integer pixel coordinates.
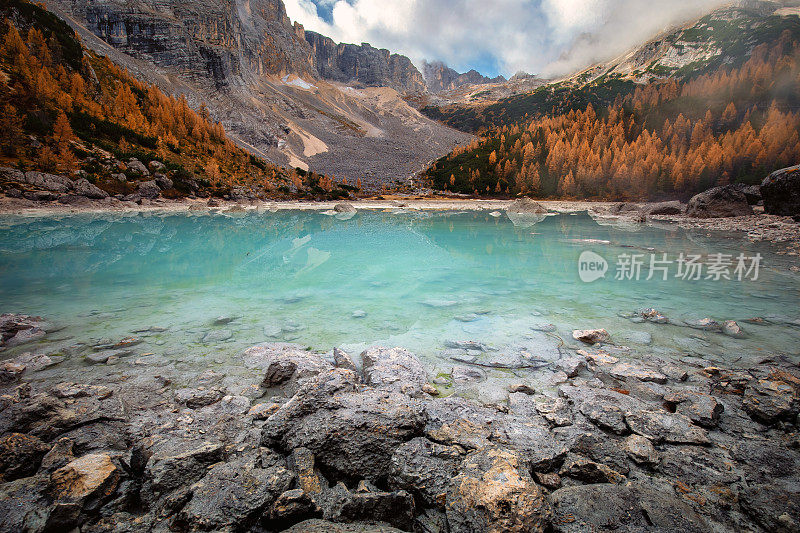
(591, 336)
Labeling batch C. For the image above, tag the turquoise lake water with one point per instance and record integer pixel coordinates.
(413, 279)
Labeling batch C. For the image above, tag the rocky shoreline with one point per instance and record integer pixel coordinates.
(300, 441)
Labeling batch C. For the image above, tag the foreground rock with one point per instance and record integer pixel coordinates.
(719, 202)
(493, 491)
(332, 405)
(781, 192)
(290, 441)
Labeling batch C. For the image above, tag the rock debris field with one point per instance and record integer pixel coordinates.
(300, 441)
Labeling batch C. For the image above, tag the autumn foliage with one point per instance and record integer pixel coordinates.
(665, 139)
(73, 101)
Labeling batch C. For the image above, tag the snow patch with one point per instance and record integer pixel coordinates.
(297, 82)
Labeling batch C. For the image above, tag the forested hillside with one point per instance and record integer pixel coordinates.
(667, 138)
(66, 110)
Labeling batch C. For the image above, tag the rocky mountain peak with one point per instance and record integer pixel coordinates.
(439, 77)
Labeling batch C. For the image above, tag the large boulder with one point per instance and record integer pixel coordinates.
(84, 188)
(148, 189)
(781, 192)
(719, 202)
(10, 174)
(494, 491)
(48, 182)
(394, 369)
(232, 495)
(664, 208)
(426, 468)
(350, 431)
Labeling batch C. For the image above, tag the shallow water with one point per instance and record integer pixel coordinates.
(409, 279)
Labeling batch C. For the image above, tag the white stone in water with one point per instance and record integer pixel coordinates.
(732, 329)
(591, 336)
(359, 313)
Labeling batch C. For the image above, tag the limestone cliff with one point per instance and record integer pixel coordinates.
(208, 40)
(364, 64)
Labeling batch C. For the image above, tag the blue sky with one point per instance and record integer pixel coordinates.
(547, 37)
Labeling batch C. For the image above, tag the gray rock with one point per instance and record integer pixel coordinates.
(343, 360)
(344, 207)
(155, 166)
(8, 174)
(148, 189)
(11, 372)
(103, 356)
(292, 506)
(425, 469)
(232, 495)
(455, 420)
(773, 506)
(633, 507)
(200, 397)
(732, 329)
(323, 526)
(771, 401)
(641, 450)
(702, 409)
(664, 208)
(532, 438)
(349, 432)
(285, 365)
(49, 182)
(556, 411)
(665, 427)
(781, 192)
(633, 371)
(84, 188)
(137, 166)
(493, 491)
(394, 369)
(705, 324)
(719, 202)
(591, 336)
(20, 455)
(467, 374)
(163, 182)
(171, 469)
(395, 508)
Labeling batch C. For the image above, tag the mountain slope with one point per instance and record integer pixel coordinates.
(725, 37)
(64, 109)
(256, 74)
(730, 120)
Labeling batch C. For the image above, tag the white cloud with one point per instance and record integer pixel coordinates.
(539, 36)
